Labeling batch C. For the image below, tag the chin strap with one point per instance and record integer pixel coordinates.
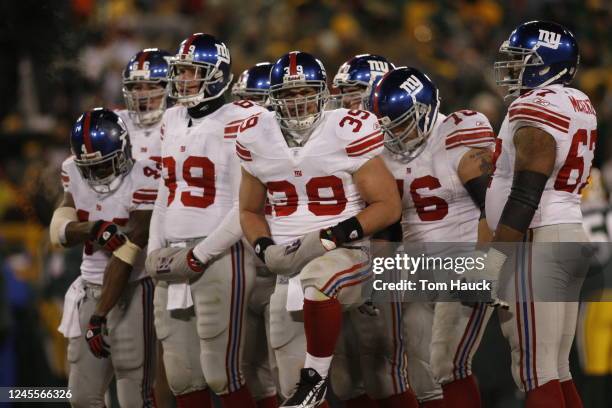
(553, 79)
(206, 108)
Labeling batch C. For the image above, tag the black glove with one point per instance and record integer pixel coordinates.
(107, 235)
(96, 330)
(343, 232)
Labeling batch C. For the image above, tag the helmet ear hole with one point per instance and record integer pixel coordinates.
(544, 71)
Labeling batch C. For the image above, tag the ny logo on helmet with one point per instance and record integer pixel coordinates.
(223, 53)
(412, 85)
(379, 67)
(549, 39)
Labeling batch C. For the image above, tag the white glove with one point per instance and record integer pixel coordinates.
(290, 259)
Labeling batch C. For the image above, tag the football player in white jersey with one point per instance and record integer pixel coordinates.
(258, 363)
(317, 169)
(371, 347)
(108, 312)
(202, 290)
(543, 158)
(442, 165)
(145, 94)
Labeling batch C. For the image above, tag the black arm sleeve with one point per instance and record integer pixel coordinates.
(477, 188)
(524, 199)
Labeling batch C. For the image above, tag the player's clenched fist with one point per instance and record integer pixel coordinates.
(107, 235)
(96, 330)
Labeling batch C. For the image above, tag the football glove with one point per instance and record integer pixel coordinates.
(107, 235)
(96, 330)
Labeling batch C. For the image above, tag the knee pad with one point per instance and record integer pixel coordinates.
(127, 346)
(183, 372)
(177, 332)
(213, 302)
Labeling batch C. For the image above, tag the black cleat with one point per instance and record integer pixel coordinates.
(310, 391)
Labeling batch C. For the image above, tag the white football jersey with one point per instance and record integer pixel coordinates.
(201, 173)
(436, 206)
(309, 187)
(146, 143)
(568, 116)
(136, 192)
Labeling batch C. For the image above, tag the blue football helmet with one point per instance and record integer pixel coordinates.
(254, 83)
(540, 53)
(298, 110)
(207, 63)
(354, 77)
(406, 103)
(101, 147)
(145, 80)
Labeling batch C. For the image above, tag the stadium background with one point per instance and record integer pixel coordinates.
(59, 58)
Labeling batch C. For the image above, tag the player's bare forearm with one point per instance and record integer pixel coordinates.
(254, 226)
(377, 187)
(252, 201)
(484, 233)
(117, 273)
(138, 227)
(535, 161)
(78, 232)
(116, 279)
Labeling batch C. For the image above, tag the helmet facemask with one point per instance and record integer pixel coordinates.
(295, 112)
(350, 96)
(194, 87)
(104, 174)
(145, 106)
(407, 135)
(257, 96)
(510, 72)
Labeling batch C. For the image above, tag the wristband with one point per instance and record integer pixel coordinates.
(260, 245)
(345, 231)
(127, 252)
(62, 216)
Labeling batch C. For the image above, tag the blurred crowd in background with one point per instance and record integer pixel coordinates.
(62, 57)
